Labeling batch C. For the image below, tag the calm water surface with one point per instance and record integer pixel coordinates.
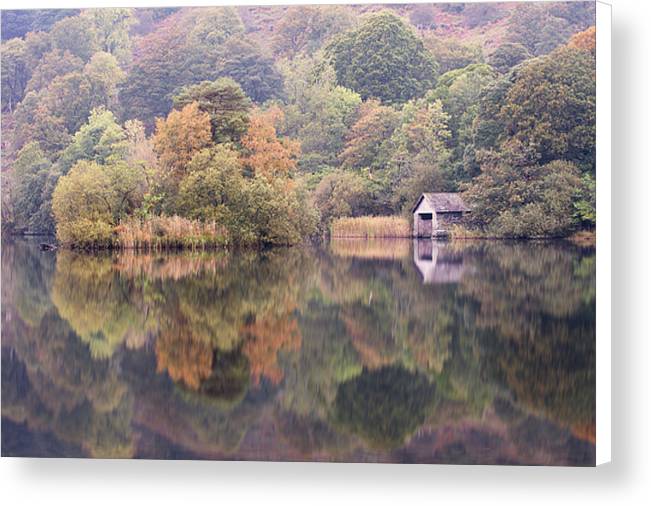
(390, 351)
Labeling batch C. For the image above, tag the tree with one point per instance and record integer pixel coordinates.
(585, 40)
(382, 59)
(35, 122)
(17, 23)
(91, 199)
(306, 28)
(515, 196)
(15, 73)
(51, 65)
(317, 112)
(340, 194)
(459, 91)
(551, 107)
(366, 141)
(101, 140)
(104, 77)
(76, 35)
(534, 26)
(450, 54)
(420, 154)
(266, 154)
(245, 63)
(29, 173)
(213, 186)
(508, 55)
(186, 48)
(111, 28)
(182, 134)
(225, 103)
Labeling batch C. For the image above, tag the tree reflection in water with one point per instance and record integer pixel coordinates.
(352, 351)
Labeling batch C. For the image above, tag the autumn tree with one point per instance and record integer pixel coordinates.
(397, 69)
(178, 137)
(266, 154)
(585, 40)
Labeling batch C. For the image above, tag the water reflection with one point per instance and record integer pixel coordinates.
(476, 352)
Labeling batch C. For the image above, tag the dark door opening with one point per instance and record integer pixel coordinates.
(425, 225)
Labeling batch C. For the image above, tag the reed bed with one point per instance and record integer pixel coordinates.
(170, 232)
(371, 227)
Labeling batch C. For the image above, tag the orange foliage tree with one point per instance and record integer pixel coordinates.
(585, 40)
(267, 155)
(179, 137)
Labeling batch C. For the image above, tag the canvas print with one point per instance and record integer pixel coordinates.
(351, 233)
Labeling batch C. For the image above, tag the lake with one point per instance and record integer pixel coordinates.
(470, 352)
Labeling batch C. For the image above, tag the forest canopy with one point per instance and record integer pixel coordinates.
(262, 125)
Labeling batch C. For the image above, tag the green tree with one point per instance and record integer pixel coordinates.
(91, 199)
(420, 156)
(382, 59)
(213, 186)
(534, 26)
(515, 196)
(15, 73)
(450, 54)
(245, 63)
(225, 103)
(75, 34)
(317, 112)
(29, 173)
(551, 107)
(508, 55)
(111, 28)
(100, 140)
(342, 193)
(459, 91)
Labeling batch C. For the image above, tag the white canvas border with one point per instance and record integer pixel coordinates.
(604, 244)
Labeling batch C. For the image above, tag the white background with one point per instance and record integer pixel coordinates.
(624, 481)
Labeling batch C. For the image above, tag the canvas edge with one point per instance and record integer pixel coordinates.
(604, 245)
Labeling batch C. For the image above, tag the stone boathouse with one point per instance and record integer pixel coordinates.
(435, 212)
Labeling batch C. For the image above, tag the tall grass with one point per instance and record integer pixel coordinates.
(371, 226)
(169, 232)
